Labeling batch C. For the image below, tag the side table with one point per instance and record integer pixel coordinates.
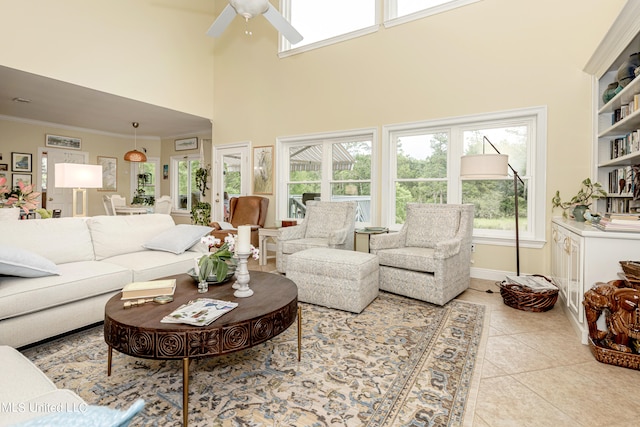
(264, 234)
(368, 231)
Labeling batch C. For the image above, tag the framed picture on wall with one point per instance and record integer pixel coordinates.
(263, 170)
(21, 162)
(187, 144)
(109, 173)
(24, 177)
(63, 142)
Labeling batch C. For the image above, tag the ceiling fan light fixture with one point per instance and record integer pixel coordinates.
(135, 155)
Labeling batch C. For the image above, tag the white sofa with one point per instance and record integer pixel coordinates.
(94, 258)
(29, 397)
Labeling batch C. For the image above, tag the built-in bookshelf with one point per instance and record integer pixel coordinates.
(617, 132)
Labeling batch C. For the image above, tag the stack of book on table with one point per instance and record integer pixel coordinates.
(628, 222)
(149, 289)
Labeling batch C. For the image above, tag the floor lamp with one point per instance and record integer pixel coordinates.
(79, 177)
(493, 166)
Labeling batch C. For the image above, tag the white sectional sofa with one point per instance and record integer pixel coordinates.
(85, 261)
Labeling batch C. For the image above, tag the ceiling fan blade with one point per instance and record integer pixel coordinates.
(282, 25)
(222, 21)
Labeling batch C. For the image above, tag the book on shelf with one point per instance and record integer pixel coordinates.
(149, 289)
(534, 283)
(199, 312)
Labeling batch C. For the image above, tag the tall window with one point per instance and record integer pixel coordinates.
(331, 167)
(184, 189)
(424, 167)
(144, 181)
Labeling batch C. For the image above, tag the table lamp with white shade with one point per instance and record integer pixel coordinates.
(79, 177)
(492, 166)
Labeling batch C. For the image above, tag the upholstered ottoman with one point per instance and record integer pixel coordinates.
(335, 278)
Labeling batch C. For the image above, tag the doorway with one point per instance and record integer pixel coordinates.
(53, 197)
(231, 177)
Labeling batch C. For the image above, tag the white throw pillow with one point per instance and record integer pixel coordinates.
(178, 239)
(23, 263)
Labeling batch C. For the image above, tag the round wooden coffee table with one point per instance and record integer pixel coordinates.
(137, 331)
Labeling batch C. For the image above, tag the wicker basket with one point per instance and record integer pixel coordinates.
(525, 299)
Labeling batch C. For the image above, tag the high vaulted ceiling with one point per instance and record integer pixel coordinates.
(58, 102)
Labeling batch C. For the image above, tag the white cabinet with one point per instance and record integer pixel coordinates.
(582, 256)
(616, 144)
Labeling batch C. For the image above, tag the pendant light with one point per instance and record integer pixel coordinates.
(135, 155)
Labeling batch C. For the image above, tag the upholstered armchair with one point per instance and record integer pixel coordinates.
(244, 210)
(325, 225)
(430, 257)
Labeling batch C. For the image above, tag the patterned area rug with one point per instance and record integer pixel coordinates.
(400, 362)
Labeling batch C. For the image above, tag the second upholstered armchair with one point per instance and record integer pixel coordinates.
(244, 210)
(430, 257)
(325, 225)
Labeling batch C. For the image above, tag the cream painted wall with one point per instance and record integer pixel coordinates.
(147, 50)
(492, 55)
(28, 137)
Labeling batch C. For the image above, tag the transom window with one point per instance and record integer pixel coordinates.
(323, 22)
(331, 167)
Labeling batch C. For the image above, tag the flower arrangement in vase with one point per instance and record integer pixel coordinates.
(588, 193)
(22, 196)
(220, 260)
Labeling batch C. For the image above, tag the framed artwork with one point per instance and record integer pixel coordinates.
(165, 171)
(109, 173)
(4, 175)
(263, 170)
(24, 177)
(4, 167)
(187, 144)
(21, 162)
(63, 142)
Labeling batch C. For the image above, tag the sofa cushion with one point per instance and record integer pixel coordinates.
(150, 265)
(178, 238)
(77, 281)
(441, 225)
(23, 263)
(59, 240)
(25, 378)
(122, 234)
(409, 258)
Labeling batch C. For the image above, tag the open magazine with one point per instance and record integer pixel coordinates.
(534, 283)
(199, 312)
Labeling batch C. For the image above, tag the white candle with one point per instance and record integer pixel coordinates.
(244, 239)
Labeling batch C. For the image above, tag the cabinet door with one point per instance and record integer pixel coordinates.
(558, 260)
(574, 276)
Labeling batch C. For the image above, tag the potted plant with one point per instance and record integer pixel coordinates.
(22, 197)
(588, 193)
(201, 213)
(202, 175)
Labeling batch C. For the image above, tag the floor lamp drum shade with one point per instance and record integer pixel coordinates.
(79, 177)
(484, 166)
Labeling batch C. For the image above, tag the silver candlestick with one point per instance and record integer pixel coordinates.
(242, 277)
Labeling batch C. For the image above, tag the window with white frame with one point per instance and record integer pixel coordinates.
(323, 22)
(424, 167)
(334, 20)
(331, 167)
(184, 190)
(144, 181)
(401, 11)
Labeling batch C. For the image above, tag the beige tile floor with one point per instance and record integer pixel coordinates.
(535, 371)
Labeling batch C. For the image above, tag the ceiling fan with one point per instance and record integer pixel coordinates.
(250, 8)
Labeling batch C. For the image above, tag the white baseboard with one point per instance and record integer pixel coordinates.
(487, 274)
